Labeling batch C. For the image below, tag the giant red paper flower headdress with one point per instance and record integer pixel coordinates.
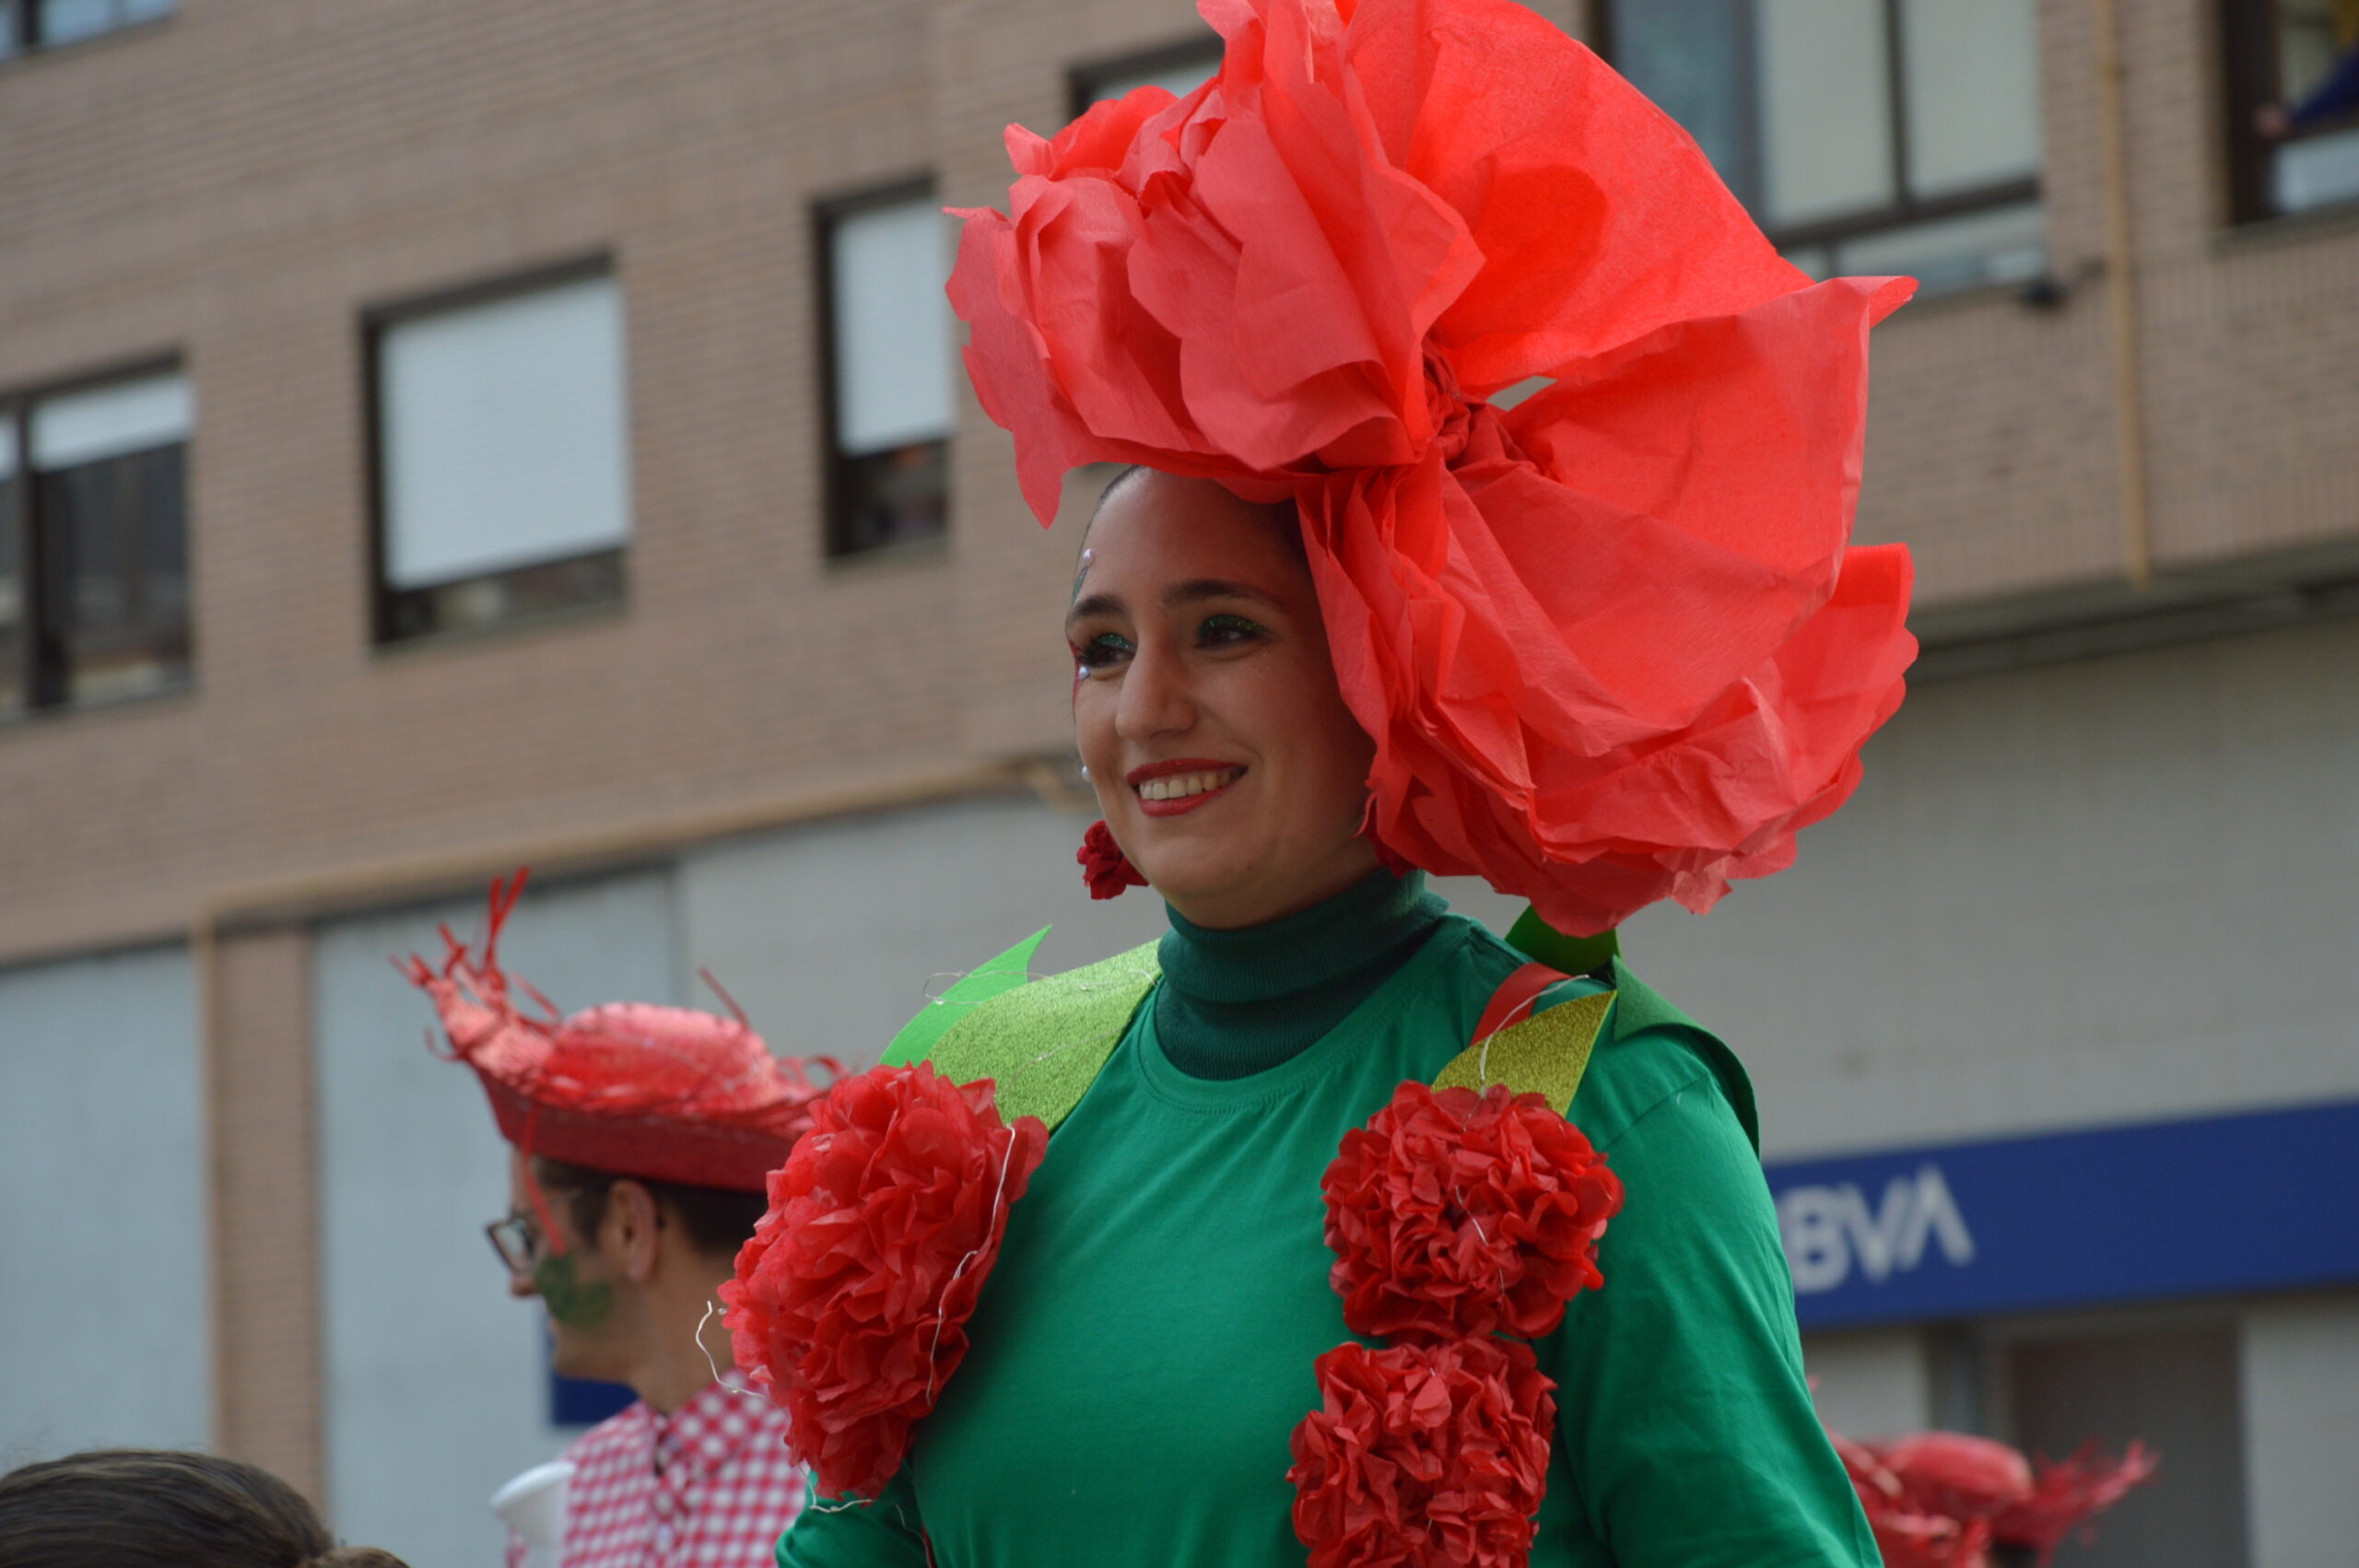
(668, 1094)
(1609, 642)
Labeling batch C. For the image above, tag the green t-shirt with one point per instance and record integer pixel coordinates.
(1143, 1349)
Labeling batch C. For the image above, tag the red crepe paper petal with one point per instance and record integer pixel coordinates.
(1427, 1455)
(851, 1301)
(1453, 1214)
(1611, 645)
(2066, 1495)
(1951, 1473)
(1942, 1499)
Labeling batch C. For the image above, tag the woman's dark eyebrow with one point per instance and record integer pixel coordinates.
(1196, 590)
(1095, 605)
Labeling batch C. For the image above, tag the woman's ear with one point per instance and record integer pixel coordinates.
(633, 1221)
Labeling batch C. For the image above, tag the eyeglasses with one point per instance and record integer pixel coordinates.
(517, 1242)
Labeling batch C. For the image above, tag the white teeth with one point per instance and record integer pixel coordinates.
(1179, 786)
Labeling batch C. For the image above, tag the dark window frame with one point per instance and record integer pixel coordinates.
(2249, 80)
(1906, 211)
(43, 666)
(21, 20)
(388, 607)
(843, 486)
(1085, 81)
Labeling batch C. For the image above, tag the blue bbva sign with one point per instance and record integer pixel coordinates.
(2260, 1201)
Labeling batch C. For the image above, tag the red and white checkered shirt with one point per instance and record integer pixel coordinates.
(709, 1486)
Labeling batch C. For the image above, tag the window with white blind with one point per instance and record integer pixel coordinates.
(884, 259)
(1179, 68)
(503, 456)
(1865, 135)
(94, 583)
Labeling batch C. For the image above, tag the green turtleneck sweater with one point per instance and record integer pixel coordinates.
(1233, 1003)
(1144, 1348)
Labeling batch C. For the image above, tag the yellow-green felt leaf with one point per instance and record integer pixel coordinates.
(1546, 1054)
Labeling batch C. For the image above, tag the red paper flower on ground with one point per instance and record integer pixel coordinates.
(850, 1300)
(1423, 1455)
(1104, 866)
(1452, 1213)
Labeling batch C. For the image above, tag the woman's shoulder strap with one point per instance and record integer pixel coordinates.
(1041, 1042)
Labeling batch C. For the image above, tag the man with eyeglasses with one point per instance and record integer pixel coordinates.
(639, 1138)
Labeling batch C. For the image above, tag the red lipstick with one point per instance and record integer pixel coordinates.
(1138, 777)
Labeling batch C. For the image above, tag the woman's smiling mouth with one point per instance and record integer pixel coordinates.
(1168, 789)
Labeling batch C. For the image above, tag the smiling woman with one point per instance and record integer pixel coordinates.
(1226, 762)
(1331, 1226)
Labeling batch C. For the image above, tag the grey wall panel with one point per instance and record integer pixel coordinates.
(2300, 1383)
(437, 1381)
(2081, 893)
(104, 1332)
(829, 935)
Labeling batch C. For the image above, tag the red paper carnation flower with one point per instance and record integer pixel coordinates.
(1430, 1455)
(1610, 642)
(1103, 864)
(1452, 1213)
(851, 1299)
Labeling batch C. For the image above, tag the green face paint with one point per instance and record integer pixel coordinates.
(571, 1303)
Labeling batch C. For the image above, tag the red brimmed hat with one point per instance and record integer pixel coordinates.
(667, 1093)
(1612, 640)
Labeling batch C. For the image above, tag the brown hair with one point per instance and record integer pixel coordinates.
(155, 1508)
(716, 1219)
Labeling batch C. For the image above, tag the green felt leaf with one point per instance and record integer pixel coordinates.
(993, 977)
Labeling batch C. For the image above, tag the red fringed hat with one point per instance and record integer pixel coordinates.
(1609, 641)
(667, 1093)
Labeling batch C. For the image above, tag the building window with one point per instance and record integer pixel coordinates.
(883, 259)
(2177, 1388)
(28, 25)
(503, 459)
(2294, 104)
(94, 597)
(1179, 68)
(1865, 135)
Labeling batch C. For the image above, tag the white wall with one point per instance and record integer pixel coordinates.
(104, 1302)
(2083, 893)
(829, 935)
(437, 1383)
(2300, 1383)
(1871, 1383)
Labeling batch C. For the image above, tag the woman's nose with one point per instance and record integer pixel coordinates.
(1155, 697)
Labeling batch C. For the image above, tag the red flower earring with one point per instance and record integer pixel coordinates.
(1104, 866)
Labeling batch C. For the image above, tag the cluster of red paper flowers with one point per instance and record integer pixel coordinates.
(1453, 1217)
(851, 1301)
(1943, 1499)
